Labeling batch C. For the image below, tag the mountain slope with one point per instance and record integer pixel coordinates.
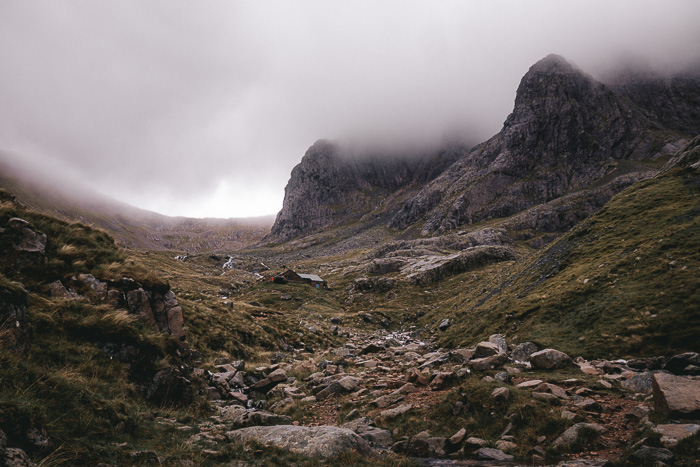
(330, 187)
(624, 282)
(568, 134)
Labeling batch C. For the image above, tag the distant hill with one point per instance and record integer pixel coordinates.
(131, 226)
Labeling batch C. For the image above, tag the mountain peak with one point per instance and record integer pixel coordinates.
(553, 63)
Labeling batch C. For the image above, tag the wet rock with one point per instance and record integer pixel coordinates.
(395, 412)
(488, 363)
(677, 396)
(549, 359)
(318, 442)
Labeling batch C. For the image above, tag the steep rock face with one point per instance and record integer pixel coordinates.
(329, 187)
(566, 132)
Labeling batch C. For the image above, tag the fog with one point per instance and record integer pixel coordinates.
(203, 108)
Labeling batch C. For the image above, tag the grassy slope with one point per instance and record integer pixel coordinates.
(624, 282)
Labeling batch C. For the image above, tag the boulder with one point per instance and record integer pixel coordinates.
(677, 396)
(549, 359)
(395, 412)
(501, 394)
(58, 290)
(678, 363)
(170, 387)
(442, 380)
(317, 442)
(671, 434)
(575, 435)
(486, 349)
(97, 287)
(521, 352)
(640, 383)
(492, 454)
(343, 385)
(647, 455)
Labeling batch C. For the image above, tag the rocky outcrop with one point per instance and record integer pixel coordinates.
(566, 132)
(318, 441)
(21, 245)
(331, 186)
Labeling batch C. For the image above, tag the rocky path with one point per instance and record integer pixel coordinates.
(386, 394)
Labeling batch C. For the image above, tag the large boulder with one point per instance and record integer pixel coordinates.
(317, 441)
(677, 396)
(550, 359)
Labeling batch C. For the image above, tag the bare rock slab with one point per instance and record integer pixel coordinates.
(678, 396)
(317, 441)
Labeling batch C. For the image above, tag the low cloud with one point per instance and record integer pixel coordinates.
(203, 109)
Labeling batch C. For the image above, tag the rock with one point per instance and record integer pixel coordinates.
(378, 438)
(505, 445)
(15, 457)
(640, 383)
(486, 349)
(441, 380)
(553, 389)
(472, 443)
(649, 455)
(488, 363)
(240, 417)
(58, 290)
(98, 288)
(137, 302)
(444, 324)
(395, 412)
(677, 396)
(493, 455)
(589, 405)
(343, 385)
(500, 341)
(671, 434)
(413, 375)
(170, 387)
(521, 353)
(28, 246)
(549, 359)
(457, 438)
(678, 363)
(533, 383)
(372, 347)
(576, 435)
(462, 355)
(317, 442)
(500, 394)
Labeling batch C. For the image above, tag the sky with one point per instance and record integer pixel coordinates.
(202, 109)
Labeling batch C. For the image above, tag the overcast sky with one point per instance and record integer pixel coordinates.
(203, 108)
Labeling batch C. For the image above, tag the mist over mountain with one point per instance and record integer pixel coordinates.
(567, 133)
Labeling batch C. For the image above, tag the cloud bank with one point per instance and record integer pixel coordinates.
(203, 109)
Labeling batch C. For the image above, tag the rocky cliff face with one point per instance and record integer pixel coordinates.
(567, 133)
(329, 186)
